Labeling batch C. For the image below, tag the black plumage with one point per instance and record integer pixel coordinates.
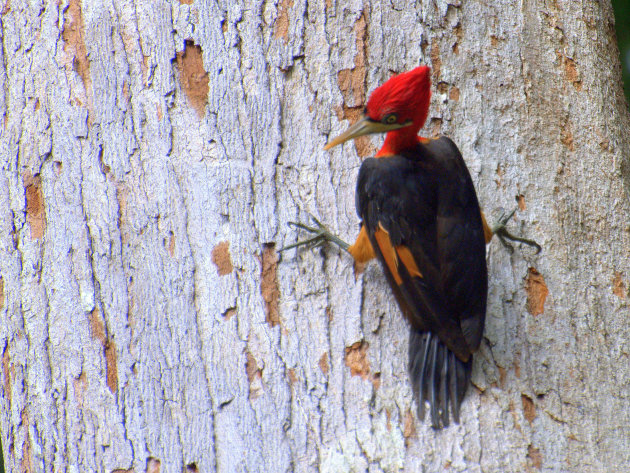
(421, 202)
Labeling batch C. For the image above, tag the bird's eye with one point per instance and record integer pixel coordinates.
(390, 119)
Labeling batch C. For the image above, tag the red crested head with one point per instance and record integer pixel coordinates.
(405, 96)
(399, 108)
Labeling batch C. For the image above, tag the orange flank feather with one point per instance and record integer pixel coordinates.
(487, 231)
(362, 250)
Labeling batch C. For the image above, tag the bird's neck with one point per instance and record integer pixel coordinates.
(399, 140)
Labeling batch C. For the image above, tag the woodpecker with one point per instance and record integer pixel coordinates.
(420, 217)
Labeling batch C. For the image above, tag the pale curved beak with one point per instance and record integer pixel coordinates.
(364, 126)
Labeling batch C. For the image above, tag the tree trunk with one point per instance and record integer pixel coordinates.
(152, 154)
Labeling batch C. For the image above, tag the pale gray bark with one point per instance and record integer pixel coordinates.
(145, 322)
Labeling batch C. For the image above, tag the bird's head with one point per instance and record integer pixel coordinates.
(400, 105)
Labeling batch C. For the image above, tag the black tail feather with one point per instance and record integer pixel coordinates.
(433, 398)
(444, 389)
(452, 386)
(437, 376)
(418, 368)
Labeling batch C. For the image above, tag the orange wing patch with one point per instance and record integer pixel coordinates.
(407, 260)
(394, 256)
(389, 254)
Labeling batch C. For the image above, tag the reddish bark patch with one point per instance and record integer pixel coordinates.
(281, 27)
(356, 359)
(221, 258)
(144, 68)
(186, 2)
(35, 210)
(453, 94)
(529, 409)
(292, 376)
(566, 137)
(535, 456)
(228, 314)
(362, 144)
(352, 81)
(619, 286)
(193, 76)
(436, 62)
(97, 327)
(353, 88)
(514, 416)
(80, 385)
(537, 292)
(269, 284)
(74, 45)
(502, 376)
(520, 200)
(459, 34)
(251, 367)
(571, 72)
(125, 90)
(111, 361)
(26, 464)
(1, 292)
(153, 464)
(254, 375)
(171, 246)
(323, 363)
(409, 425)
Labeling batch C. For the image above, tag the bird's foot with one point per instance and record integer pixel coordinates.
(320, 233)
(500, 230)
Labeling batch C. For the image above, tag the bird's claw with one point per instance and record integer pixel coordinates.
(321, 234)
(500, 230)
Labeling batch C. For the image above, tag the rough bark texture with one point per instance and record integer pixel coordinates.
(152, 153)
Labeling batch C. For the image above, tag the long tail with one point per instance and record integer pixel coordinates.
(437, 376)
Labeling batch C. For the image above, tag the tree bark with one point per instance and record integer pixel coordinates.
(152, 153)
